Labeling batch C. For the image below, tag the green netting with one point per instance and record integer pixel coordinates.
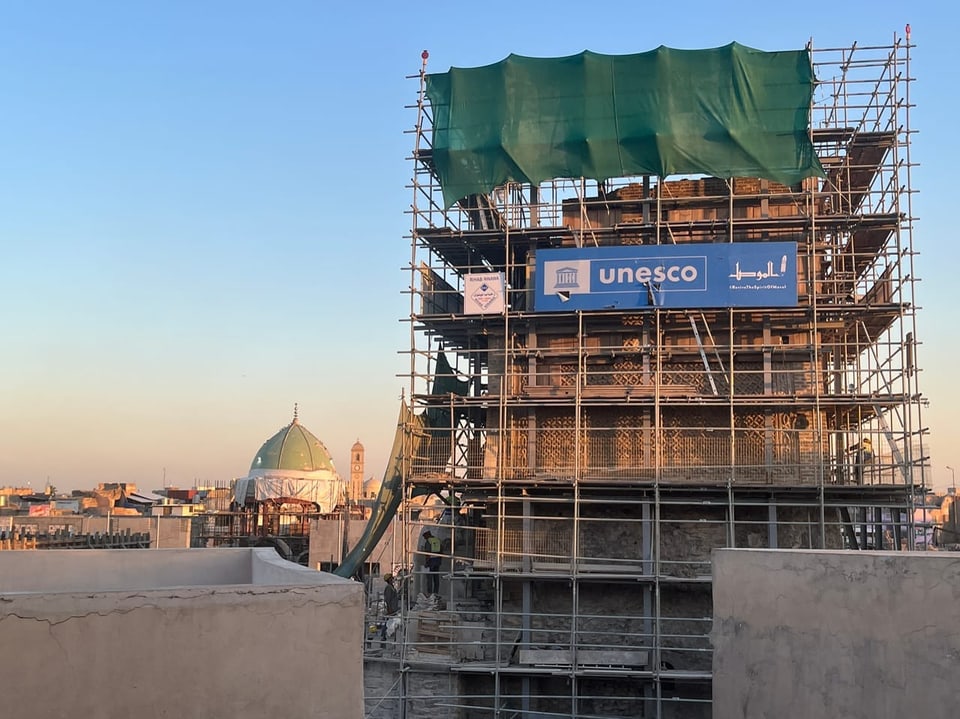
(445, 382)
(727, 112)
(412, 439)
(407, 439)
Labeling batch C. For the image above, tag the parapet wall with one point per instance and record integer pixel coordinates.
(859, 635)
(231, 633)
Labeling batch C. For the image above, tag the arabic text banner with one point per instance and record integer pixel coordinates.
(740, 274)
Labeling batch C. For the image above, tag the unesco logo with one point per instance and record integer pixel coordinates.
(643, 274)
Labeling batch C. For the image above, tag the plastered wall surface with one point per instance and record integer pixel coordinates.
(92, 570)
(835, 634)
(282, 641)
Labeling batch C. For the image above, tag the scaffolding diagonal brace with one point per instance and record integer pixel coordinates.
(703, 355)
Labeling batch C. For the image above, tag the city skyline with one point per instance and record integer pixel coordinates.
(203, 214)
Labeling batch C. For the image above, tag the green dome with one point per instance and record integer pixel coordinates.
(293, 448)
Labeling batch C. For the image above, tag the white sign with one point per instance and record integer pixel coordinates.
(484, 294)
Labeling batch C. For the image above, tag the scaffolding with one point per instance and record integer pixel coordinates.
(591, 460)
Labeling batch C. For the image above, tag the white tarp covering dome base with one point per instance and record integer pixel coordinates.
(293, 464)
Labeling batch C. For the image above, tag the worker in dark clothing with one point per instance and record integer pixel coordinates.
(391, 609)
(391, 598)
(431, 547)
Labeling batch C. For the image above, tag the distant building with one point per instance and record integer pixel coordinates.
(356, 472)
(293, 467)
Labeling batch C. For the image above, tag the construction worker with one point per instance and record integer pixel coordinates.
(431, 547)
(391, 608)
(391, 598)
(863, 454)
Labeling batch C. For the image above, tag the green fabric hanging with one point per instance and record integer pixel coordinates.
(728, 112)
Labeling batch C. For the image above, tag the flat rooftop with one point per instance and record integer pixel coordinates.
(122, 570)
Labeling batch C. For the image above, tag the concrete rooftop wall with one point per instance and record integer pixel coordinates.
(858, 635)
(103, 570)
(121, 633)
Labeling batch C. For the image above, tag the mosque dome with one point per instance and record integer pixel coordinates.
(371, 487)
(292, 466)
(293, 448)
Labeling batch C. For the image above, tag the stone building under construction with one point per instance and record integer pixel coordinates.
(660, 304)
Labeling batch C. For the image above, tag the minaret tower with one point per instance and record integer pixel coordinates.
(356, 471)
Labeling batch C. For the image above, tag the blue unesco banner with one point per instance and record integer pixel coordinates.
(740, 274)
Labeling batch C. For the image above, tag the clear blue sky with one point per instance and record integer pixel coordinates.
(202, 212)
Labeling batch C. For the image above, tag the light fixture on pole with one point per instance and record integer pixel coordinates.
(953, 479)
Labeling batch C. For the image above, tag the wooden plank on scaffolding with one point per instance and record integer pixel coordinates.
(585, 657)
(612, 391)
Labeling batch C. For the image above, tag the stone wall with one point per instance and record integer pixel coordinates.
(430, 693)
(381, 689)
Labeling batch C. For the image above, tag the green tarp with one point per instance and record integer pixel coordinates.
(412, 439)
(406, 441)
(445, 382)
(728, 112)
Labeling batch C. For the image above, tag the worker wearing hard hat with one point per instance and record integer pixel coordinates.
(863, 453)
(431, 547)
